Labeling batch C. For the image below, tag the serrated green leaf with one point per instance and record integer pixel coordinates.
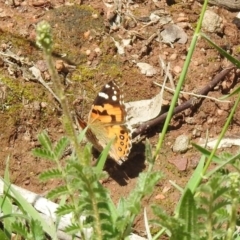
(188, 212)
(45, 141)
(58, 192)
(20, 229)
(65, 209)
(60, 147)
(23, 204)
(43, 153)
(121, 207)
(148, 152)
(220, 204)
(82, 134)
(51, 173)
(37, 231)
(72, 229)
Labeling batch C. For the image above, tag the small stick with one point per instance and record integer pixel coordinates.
(188, 104)
(192, 94)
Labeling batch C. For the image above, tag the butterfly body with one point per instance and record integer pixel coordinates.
(107, 122)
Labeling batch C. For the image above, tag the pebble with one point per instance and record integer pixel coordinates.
(86, 34)
(220, 112)
(196, 132)
(95, 16)
(181, 144)
(88, 52)
(190, 120)
(182, 19)
(43, 104)
(177, 69)
(98, 50)
(212, 22)
(173, 57)
(36, 106)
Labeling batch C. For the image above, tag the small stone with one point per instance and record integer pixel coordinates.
(95, 16)
(182, 19)
(86, 34)
(196, 132)
(177, 69)
(36, 106)
(220, 112)
(212, 22)
(179, 162)
(97, 50)
(190, 120)
(27, 182)
(43, 104)
(196, 63)
(173, 57)
(210, 120)
(59, 65)
(181, 144)
(182, 14)
(88, 52)
(160, 197)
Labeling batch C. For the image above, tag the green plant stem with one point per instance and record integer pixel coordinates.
(67, 120)
(209, 223)
(232, 225)
(181, 81)
(68, 125)
(209, 160)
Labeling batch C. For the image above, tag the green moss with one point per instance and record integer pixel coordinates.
(69, 23)
(238, 50)
(212, 59)
(83, 73)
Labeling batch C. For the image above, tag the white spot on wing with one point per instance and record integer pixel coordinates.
(115, 92)
(103, 95)
(114, 98)
(107, 86)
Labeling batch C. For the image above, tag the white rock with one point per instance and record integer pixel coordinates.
(181, 143)
(147, 69)
(212, 22)
(173, 33)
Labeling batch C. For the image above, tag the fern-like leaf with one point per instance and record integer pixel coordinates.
(51, 173)
(36, 230)
(57, 192)
(72, 229)
(174, 225)
(65, 209)
(148, 152)
(45, 141)
(20, 229)
(60, 147)
(220, 204)
(188, 212)
(43, 153)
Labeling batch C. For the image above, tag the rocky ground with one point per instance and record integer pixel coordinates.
(95, 42)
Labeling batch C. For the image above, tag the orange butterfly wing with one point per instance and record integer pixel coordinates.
(107, 121)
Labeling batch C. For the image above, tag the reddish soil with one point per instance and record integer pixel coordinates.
(27, 107)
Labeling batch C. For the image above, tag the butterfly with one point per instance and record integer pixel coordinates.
(107, 121)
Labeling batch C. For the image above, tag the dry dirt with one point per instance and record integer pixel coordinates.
(27, 107)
